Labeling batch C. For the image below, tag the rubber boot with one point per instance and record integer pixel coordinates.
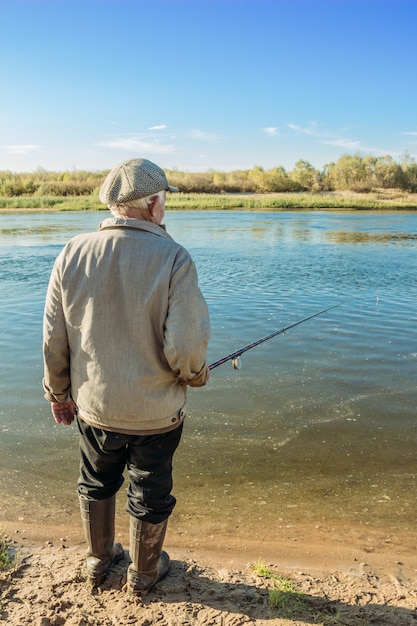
(98, 523)
(149, 562)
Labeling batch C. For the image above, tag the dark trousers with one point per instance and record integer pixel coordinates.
(148, 459)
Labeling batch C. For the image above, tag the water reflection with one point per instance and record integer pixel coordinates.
(372, 238)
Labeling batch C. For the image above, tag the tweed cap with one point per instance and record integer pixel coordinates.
(132, 180)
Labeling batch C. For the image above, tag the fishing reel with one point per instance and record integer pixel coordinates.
(236, 363)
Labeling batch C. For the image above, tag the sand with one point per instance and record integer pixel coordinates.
(346, 576)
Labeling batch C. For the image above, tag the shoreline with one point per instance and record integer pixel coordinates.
(324, 578)
(327, 546)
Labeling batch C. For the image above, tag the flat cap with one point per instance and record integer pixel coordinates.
(132, 180)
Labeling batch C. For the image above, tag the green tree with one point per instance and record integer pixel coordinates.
(279, 181)
(388, 173)
(306, 176)
(258, 179)
(409, 169)
(348, 173)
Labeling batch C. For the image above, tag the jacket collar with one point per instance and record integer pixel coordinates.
(130, 222)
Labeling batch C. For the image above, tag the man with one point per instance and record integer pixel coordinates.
(125, 332)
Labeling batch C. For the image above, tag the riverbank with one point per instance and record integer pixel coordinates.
(381, 200)
(335, 575)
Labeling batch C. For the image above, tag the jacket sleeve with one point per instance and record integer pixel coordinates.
(56, 355)
(187, 327)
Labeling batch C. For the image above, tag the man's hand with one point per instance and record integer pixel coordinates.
(64, 412)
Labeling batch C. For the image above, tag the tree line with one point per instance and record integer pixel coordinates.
(355, 173)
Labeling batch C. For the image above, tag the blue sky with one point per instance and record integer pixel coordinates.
(205, 84)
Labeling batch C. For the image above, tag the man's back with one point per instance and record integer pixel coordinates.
(131, 302)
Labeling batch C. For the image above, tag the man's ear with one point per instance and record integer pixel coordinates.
(152, 205)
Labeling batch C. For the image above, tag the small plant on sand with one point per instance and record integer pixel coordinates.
(292, 604)
(283, 595)
(6, 561)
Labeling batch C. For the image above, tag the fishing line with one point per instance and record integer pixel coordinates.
(235, 356)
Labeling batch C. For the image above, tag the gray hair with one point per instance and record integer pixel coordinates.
(142, 204)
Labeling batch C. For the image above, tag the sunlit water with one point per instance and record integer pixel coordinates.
(320, 423)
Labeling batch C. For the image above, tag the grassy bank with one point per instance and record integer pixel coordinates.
(384, 200)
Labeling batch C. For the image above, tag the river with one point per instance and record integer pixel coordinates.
(318, 425)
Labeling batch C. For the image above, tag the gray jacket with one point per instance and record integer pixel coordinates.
(126, 327)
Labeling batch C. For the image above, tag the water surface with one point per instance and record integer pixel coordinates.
(319, 424)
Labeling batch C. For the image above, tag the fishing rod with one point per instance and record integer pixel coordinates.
(234, 356)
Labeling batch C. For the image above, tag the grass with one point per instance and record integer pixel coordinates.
(292, 604)
(289, 201)
(382, 200)
(282, 595)
(55, 203)
(7, 564)
(6, 561)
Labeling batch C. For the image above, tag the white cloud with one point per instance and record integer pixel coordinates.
(132, 144)
(311, 129)
(410, 133)
(20, 148)
(350, 144)
(297, 129)
(201, 135)
(271, 131)
(325, 137)
(158, 127)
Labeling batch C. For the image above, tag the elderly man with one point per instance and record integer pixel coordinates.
(125, 332)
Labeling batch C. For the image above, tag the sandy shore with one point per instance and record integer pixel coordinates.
(344, 575)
